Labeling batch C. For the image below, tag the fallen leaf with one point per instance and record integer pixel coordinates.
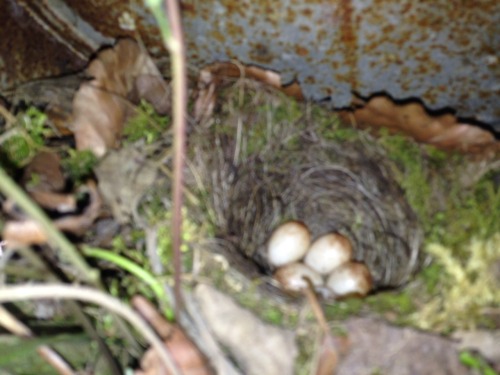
(124, 177)
(23, 233)
(29, 232)
(44, 173)
(444, 131)
(214, 77)
(186, 355)
(98, 118)
(121, 76)
(61, 203)
(44, 181)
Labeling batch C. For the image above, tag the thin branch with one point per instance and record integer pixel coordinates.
(85, 294)
(55, 360)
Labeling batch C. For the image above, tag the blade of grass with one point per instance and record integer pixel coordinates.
(136, 270)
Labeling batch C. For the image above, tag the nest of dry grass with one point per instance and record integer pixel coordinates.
(256, 173)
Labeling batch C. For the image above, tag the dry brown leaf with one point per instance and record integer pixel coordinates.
(213, 77)
(61, 203)
(23, 233)
(44, 181)
(29, 232)
(121, 76)
(186, 355)
(79, 224)
(258, 348)
(443, 131)
(99, 117)
(44, 173)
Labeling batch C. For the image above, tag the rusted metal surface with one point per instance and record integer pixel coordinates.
(27, 50)
(445, 52)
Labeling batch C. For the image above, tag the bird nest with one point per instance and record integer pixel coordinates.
(256, 173)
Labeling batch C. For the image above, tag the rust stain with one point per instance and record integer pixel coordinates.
(349, 38)
(301, 51)
(261, 53)
(291, 15)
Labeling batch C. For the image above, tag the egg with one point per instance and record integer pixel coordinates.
(328, 252)
(352, 278)
(288, 243)
(292, 277)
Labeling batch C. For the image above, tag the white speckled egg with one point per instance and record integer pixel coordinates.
(292, 277)
(288, 243)
(328, 252)
(351, 278)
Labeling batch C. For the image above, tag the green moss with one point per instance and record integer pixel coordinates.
(411, 171)
(341, 310)
(431, 277)
(286, 111)
(146, 124)
(467, 287)
(79, 164)
(329, 126)
(28, 135)
(268, 310)
(399, 303)
(18, 149)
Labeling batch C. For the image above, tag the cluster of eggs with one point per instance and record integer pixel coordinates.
(327, 262)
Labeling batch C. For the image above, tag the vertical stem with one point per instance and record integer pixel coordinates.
(175, 44)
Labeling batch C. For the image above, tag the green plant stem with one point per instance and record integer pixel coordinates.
(171, 31)
(134, 269)
(176, 48)
(85, 294)
(68, 251)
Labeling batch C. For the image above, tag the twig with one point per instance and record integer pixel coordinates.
(55, 360)
(12, 324)
(85, 294)
(316, 307)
